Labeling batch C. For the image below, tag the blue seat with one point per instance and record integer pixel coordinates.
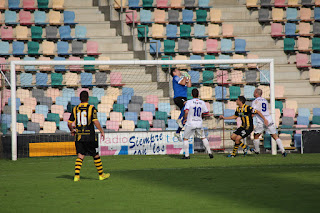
(86, 79)
(98, 92)
(18, 103)
(140, 130)
(75, 101)
(218, 108)
(134, 4)
(59, 68)
(6, 119)
(30, 68)
(153, 47)
(128, 91)
(195, 76)
(63, 126)
(317, 13)
(26, 79)
(42, 109)
(65, 33)
(240, 46)
(124, 99)
(195, 57)
(264, 76)
(204, 4)
(297, 140)
(187, 16)
(225, 66)
(68, 18)
(63, 48)
(171, 31)
(248, 92)
(14, 4)
(221, 93)
(172, 124)
(228, 113)
(28, 132)
(41, 79)
(145, 16)
(81, 33)
(40, 18)
(131, 116)
(149, 108)
(304, 112)
(68, 93)
(290, 29)
(302, 120)
(62, 101)
(10, 17)
(102, 118)
(199, 31)
(18, 48)
(315, 60)
(292, 14)
(316, 111)
(226, 45)
(164, 107)
(4, 48)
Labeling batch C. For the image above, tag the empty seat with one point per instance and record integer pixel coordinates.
(187, 16)
(54, 17)
(152, 99)
(41, 79)
(25, 18)
(10, 17)
(33, 127)
(263, 15)
(149, 107)
(218, 108)
(206, 93)
(146, 116)
(248, 92)
(68, 18)
(155, 46)
(159, 124)
(215, 15)
(133, 116)
(92, 48)
(40, 18)
(220, 93)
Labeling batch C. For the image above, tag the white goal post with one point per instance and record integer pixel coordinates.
(13, 82)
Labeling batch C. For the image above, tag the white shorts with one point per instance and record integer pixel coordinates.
(260, 128)
(190, 131)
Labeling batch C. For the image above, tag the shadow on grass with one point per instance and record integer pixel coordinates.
(70, 177)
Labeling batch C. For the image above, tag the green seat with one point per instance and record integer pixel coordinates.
(316, 120)
(54, 117)
(43, 4)
(189, 91)
(185, 31)
(289, 44)
(56, 79)
(4, 128)
(207, 77)
(162, 116)
(201, 16)
(147, 3)
(33, 48)
(70, 107)
(279, 105)
(169, 46)
(143, 124)
(21, 118)
(209, 66)
(166, 57)
(316, 44)
(93, 101)
(36, 33)
(267, 141)
(89, 67)
(235, 91)
(143, 31)
(290, 132)
(119, 108)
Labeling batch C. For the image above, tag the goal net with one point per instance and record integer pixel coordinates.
(134, 100)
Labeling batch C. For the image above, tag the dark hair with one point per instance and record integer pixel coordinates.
(84, 96)
(195, 93)
(242, 99)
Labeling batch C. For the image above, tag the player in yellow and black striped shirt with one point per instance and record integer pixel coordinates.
(85, 117)
(245, 112)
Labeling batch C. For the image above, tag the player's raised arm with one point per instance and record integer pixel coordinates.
(228, 118)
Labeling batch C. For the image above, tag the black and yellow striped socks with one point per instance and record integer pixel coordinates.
(98, 164)
(235, 149)
(78, 167)
(243, 145)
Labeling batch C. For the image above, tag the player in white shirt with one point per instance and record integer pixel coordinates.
(262, 105)
(194, 110)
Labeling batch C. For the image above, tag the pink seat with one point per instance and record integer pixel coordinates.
(305, 14)
(252, 56)
(212, 46)
(3, 67)
(31, 102)
(6, 33)
(75, 67)
(304, 29)
(279, 91)
(152, 99)
(236, 77)
(92, 48)
(303, 44)
(25, 18)
(155, 129)
(160, 16)
(146, 116)
(79, 90)
(227, 30)
(58, 109)
(53, 93)
(302, 60)
(289, 112)
(115, 79)
(214, 141)
(37, 118)
(276, 30)
(28, 5)
(113, 125)
(280, 3)
(197, 46)
(116, 116)
(66, 116)
(162, 4)
(177, 4)
(222, 76)
(129, 17)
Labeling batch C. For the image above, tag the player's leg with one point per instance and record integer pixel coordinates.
(236, 145)
(279, 144)
(188, 132)
(256, 142)
(180, 102)
(92, 148)
(78, 164)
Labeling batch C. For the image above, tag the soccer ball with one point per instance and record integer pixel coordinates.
(186, 74)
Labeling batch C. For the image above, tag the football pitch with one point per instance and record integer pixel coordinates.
(261, 183)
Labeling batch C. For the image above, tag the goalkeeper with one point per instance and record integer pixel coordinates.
(180, 82)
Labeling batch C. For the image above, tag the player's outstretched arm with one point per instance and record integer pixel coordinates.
(264, 119)
(97, 124)
(228, 118)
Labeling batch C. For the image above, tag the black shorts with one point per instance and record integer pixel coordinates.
(243, 132)
(179, 101)
(87, 147)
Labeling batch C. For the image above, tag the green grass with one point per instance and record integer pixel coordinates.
(261, 183)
